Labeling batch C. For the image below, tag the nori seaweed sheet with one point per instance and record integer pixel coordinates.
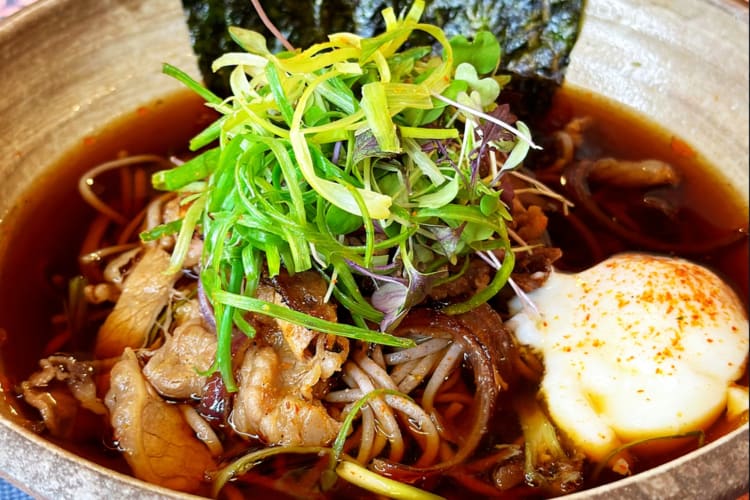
(536, 36)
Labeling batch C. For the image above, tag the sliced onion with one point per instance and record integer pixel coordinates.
(426, 321)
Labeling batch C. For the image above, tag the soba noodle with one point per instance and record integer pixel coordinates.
(446, 407)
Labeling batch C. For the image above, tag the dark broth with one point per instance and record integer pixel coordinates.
(47, 224)
(708, 206)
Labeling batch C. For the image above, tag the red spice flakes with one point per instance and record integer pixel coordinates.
(648, 295)
(621, 300)
(675, 341)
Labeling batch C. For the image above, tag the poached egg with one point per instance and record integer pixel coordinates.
(636, 347)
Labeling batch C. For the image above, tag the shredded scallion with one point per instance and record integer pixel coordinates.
(355, 158)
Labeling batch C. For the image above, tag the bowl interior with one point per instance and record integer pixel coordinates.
(70, 67)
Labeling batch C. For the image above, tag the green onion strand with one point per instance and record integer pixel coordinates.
(354, 158)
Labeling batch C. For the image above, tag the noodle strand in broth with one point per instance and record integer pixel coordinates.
(379, 218)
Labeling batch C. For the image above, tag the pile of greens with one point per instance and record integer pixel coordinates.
(358, 157)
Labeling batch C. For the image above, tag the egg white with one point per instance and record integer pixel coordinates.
(636, 347)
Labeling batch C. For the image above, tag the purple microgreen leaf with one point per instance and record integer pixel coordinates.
(366, 146)
(389, 299)
(394, 300)
(493, 132)
(375, 272)
(448, 239)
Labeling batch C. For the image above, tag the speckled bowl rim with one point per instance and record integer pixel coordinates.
(719, 470)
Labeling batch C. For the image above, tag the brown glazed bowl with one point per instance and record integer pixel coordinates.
(69, 67)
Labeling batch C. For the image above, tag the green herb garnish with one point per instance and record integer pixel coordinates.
(357, 157)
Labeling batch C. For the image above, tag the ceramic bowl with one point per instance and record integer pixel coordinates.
(69, 67)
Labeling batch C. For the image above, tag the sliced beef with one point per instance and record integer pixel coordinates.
(269, 404)
(145, 293)
(302, 292)
(156, 441)
(532, 268)
(285, 372)
(62, 386)
(475, 279)
(177, 369)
